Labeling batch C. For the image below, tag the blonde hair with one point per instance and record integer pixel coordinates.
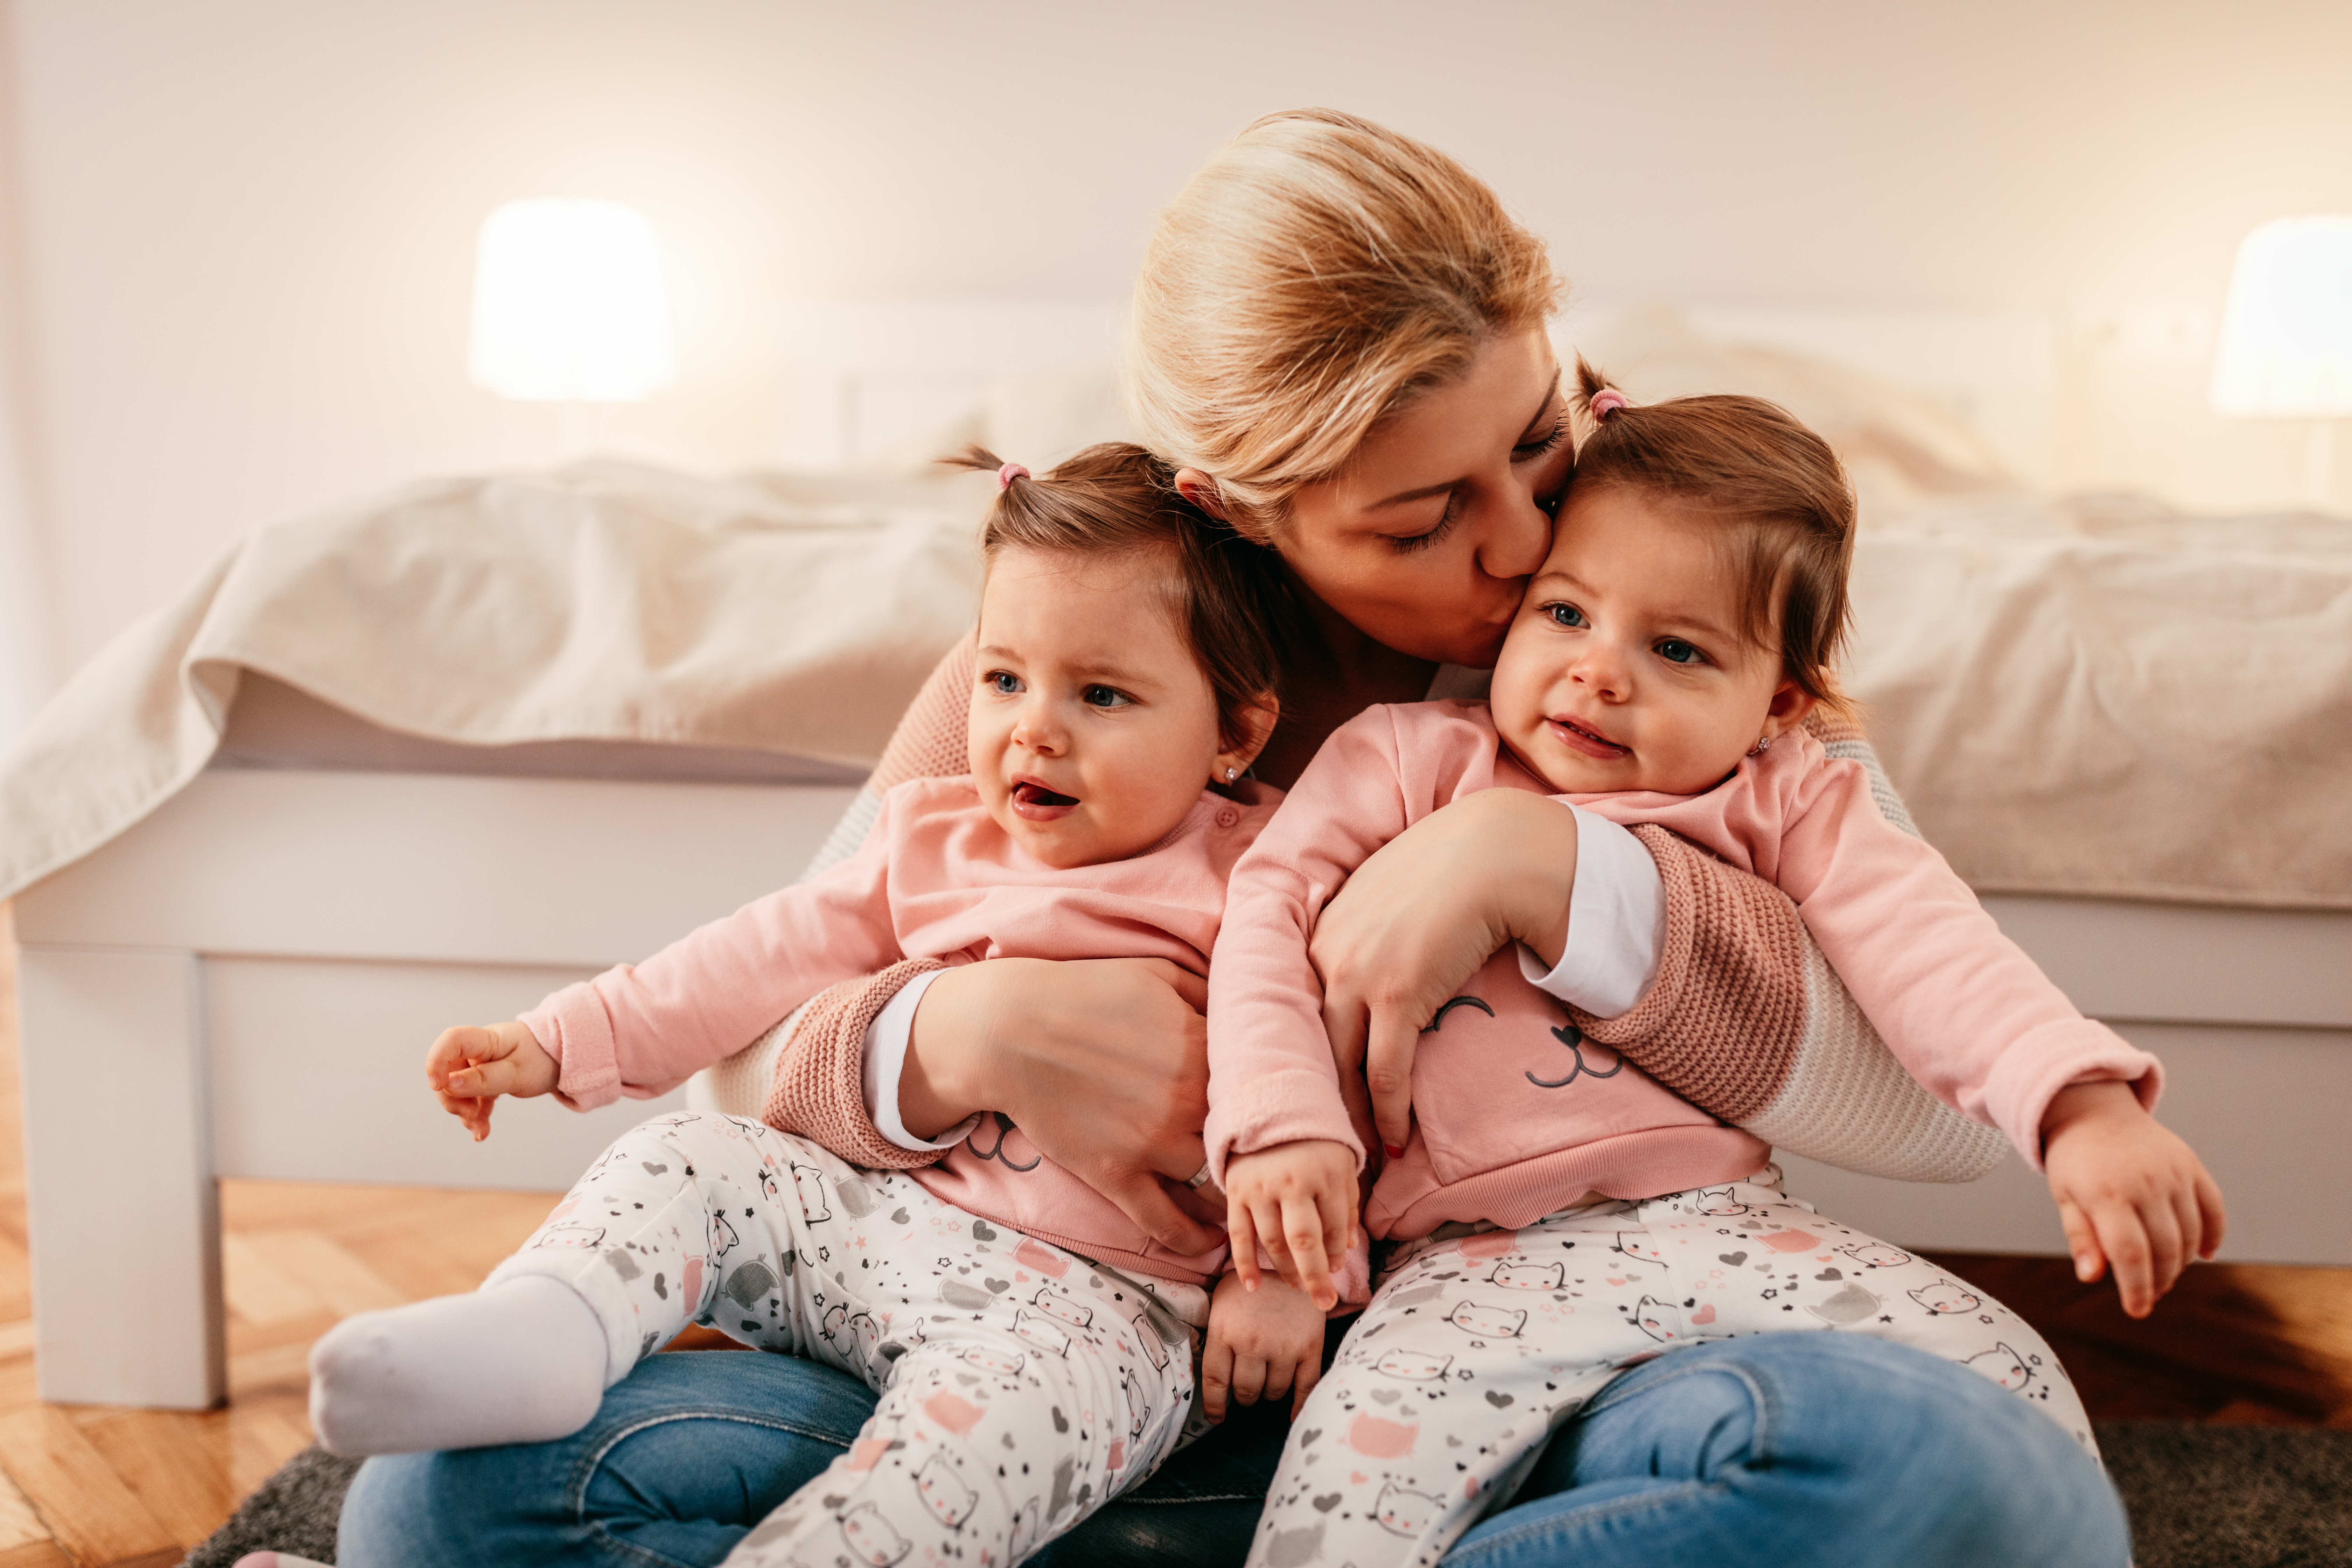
(1312, 280)
(1776, 489)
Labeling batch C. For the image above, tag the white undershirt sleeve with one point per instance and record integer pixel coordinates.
(1616, 924)
(886, 1063)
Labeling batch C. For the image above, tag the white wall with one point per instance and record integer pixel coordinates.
(248, 223)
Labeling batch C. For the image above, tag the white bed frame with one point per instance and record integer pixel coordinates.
(243, 984)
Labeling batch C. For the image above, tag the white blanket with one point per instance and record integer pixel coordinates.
(604, 602)
(2095, 697)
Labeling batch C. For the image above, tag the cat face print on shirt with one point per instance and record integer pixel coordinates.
(1875, 1254)
(1662, 1320)
(870, 1537)
(1414, 1366)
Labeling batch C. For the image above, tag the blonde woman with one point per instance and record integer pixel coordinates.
(1340, 347)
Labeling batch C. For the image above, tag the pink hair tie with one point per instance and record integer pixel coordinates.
(1010, 473)
(1605, 402)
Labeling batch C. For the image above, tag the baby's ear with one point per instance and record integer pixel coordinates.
(1791, 702)
(1256, 721)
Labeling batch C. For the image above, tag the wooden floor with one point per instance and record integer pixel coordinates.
(92, 1485)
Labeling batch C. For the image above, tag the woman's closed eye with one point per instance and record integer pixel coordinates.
(1528, 450)
(1413, 544)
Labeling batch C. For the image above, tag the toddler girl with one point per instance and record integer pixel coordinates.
(1034, 1351)
(1561, 1215)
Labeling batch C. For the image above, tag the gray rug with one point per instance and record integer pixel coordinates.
(2200, 1496)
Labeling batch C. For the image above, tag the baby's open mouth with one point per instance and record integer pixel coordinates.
(1580, 738)
(1030, 792)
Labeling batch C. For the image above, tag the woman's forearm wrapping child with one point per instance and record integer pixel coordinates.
(1034, 1349)
(1559, 1215)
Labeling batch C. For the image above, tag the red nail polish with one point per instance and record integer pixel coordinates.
(1395, 1150)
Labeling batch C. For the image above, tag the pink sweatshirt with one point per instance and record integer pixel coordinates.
(937, 879)
(1518, 1115)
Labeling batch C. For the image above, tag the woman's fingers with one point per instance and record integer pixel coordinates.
(1142, 1199)
(1388, 1073)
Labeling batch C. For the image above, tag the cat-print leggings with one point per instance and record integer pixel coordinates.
(1021, 1385)
(1478, 1343)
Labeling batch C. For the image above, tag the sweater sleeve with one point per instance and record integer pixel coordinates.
(1960, 1005)
(819, 1078)
(641, 1029)
(1272, 1079)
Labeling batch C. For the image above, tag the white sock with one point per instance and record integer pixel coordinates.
(522, 1362)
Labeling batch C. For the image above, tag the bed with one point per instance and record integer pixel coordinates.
(302, 879)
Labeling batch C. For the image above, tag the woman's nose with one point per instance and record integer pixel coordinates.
(1518, 535)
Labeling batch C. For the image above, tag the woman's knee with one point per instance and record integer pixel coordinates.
(1881, 1439)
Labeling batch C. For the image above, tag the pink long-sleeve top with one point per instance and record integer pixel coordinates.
(937, 879)
(1516, 1113)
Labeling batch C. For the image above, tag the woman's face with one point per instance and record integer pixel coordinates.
(1426, 540)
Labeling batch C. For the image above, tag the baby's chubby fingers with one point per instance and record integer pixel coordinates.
(1302, 1235)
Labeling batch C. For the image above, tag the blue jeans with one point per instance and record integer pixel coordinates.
(1786, 1449)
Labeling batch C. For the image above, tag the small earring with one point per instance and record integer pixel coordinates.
(1232, 774)
(1763, 744)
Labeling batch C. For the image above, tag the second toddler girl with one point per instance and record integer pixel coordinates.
(1033, 1349)
(1560, 1216)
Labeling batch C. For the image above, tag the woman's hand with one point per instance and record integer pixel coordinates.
(470, 1065)
(1103, 1063)
(1423, 915)
(1262, 1344)
(2130, 1193)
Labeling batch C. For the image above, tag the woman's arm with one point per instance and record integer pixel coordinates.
(1742, 1016)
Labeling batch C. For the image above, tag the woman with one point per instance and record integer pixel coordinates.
(1338, 341)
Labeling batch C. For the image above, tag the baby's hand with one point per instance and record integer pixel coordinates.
(1263, 1342)
(2129, 1192)
(470, 1065)
(1299, 1200)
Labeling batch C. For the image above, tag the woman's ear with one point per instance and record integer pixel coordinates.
(1202, 491)
(1258, 722)
(1791, 702)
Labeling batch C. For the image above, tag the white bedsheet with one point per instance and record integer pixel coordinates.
(603, 601)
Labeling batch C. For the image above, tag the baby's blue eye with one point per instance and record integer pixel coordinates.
(1004, 683)
(1677, 651)
(1104, 696)
(1566, 615)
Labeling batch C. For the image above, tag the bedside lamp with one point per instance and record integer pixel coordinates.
(570, 305)
(2286, 335)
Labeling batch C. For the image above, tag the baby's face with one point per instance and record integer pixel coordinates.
(1093, 729)
(1626, 669)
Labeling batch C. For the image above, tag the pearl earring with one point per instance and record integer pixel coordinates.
(1763, 744)
(1232, 774)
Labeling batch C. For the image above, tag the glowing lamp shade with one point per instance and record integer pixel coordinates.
(2286, 335)
(569, 304)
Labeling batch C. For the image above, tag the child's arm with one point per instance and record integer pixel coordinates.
(1263, 1342)
(1982, 1027)
(641, 1029)
(1299, 1202)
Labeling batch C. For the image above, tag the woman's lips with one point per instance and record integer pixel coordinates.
(1032, 802)
(1576, 737)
